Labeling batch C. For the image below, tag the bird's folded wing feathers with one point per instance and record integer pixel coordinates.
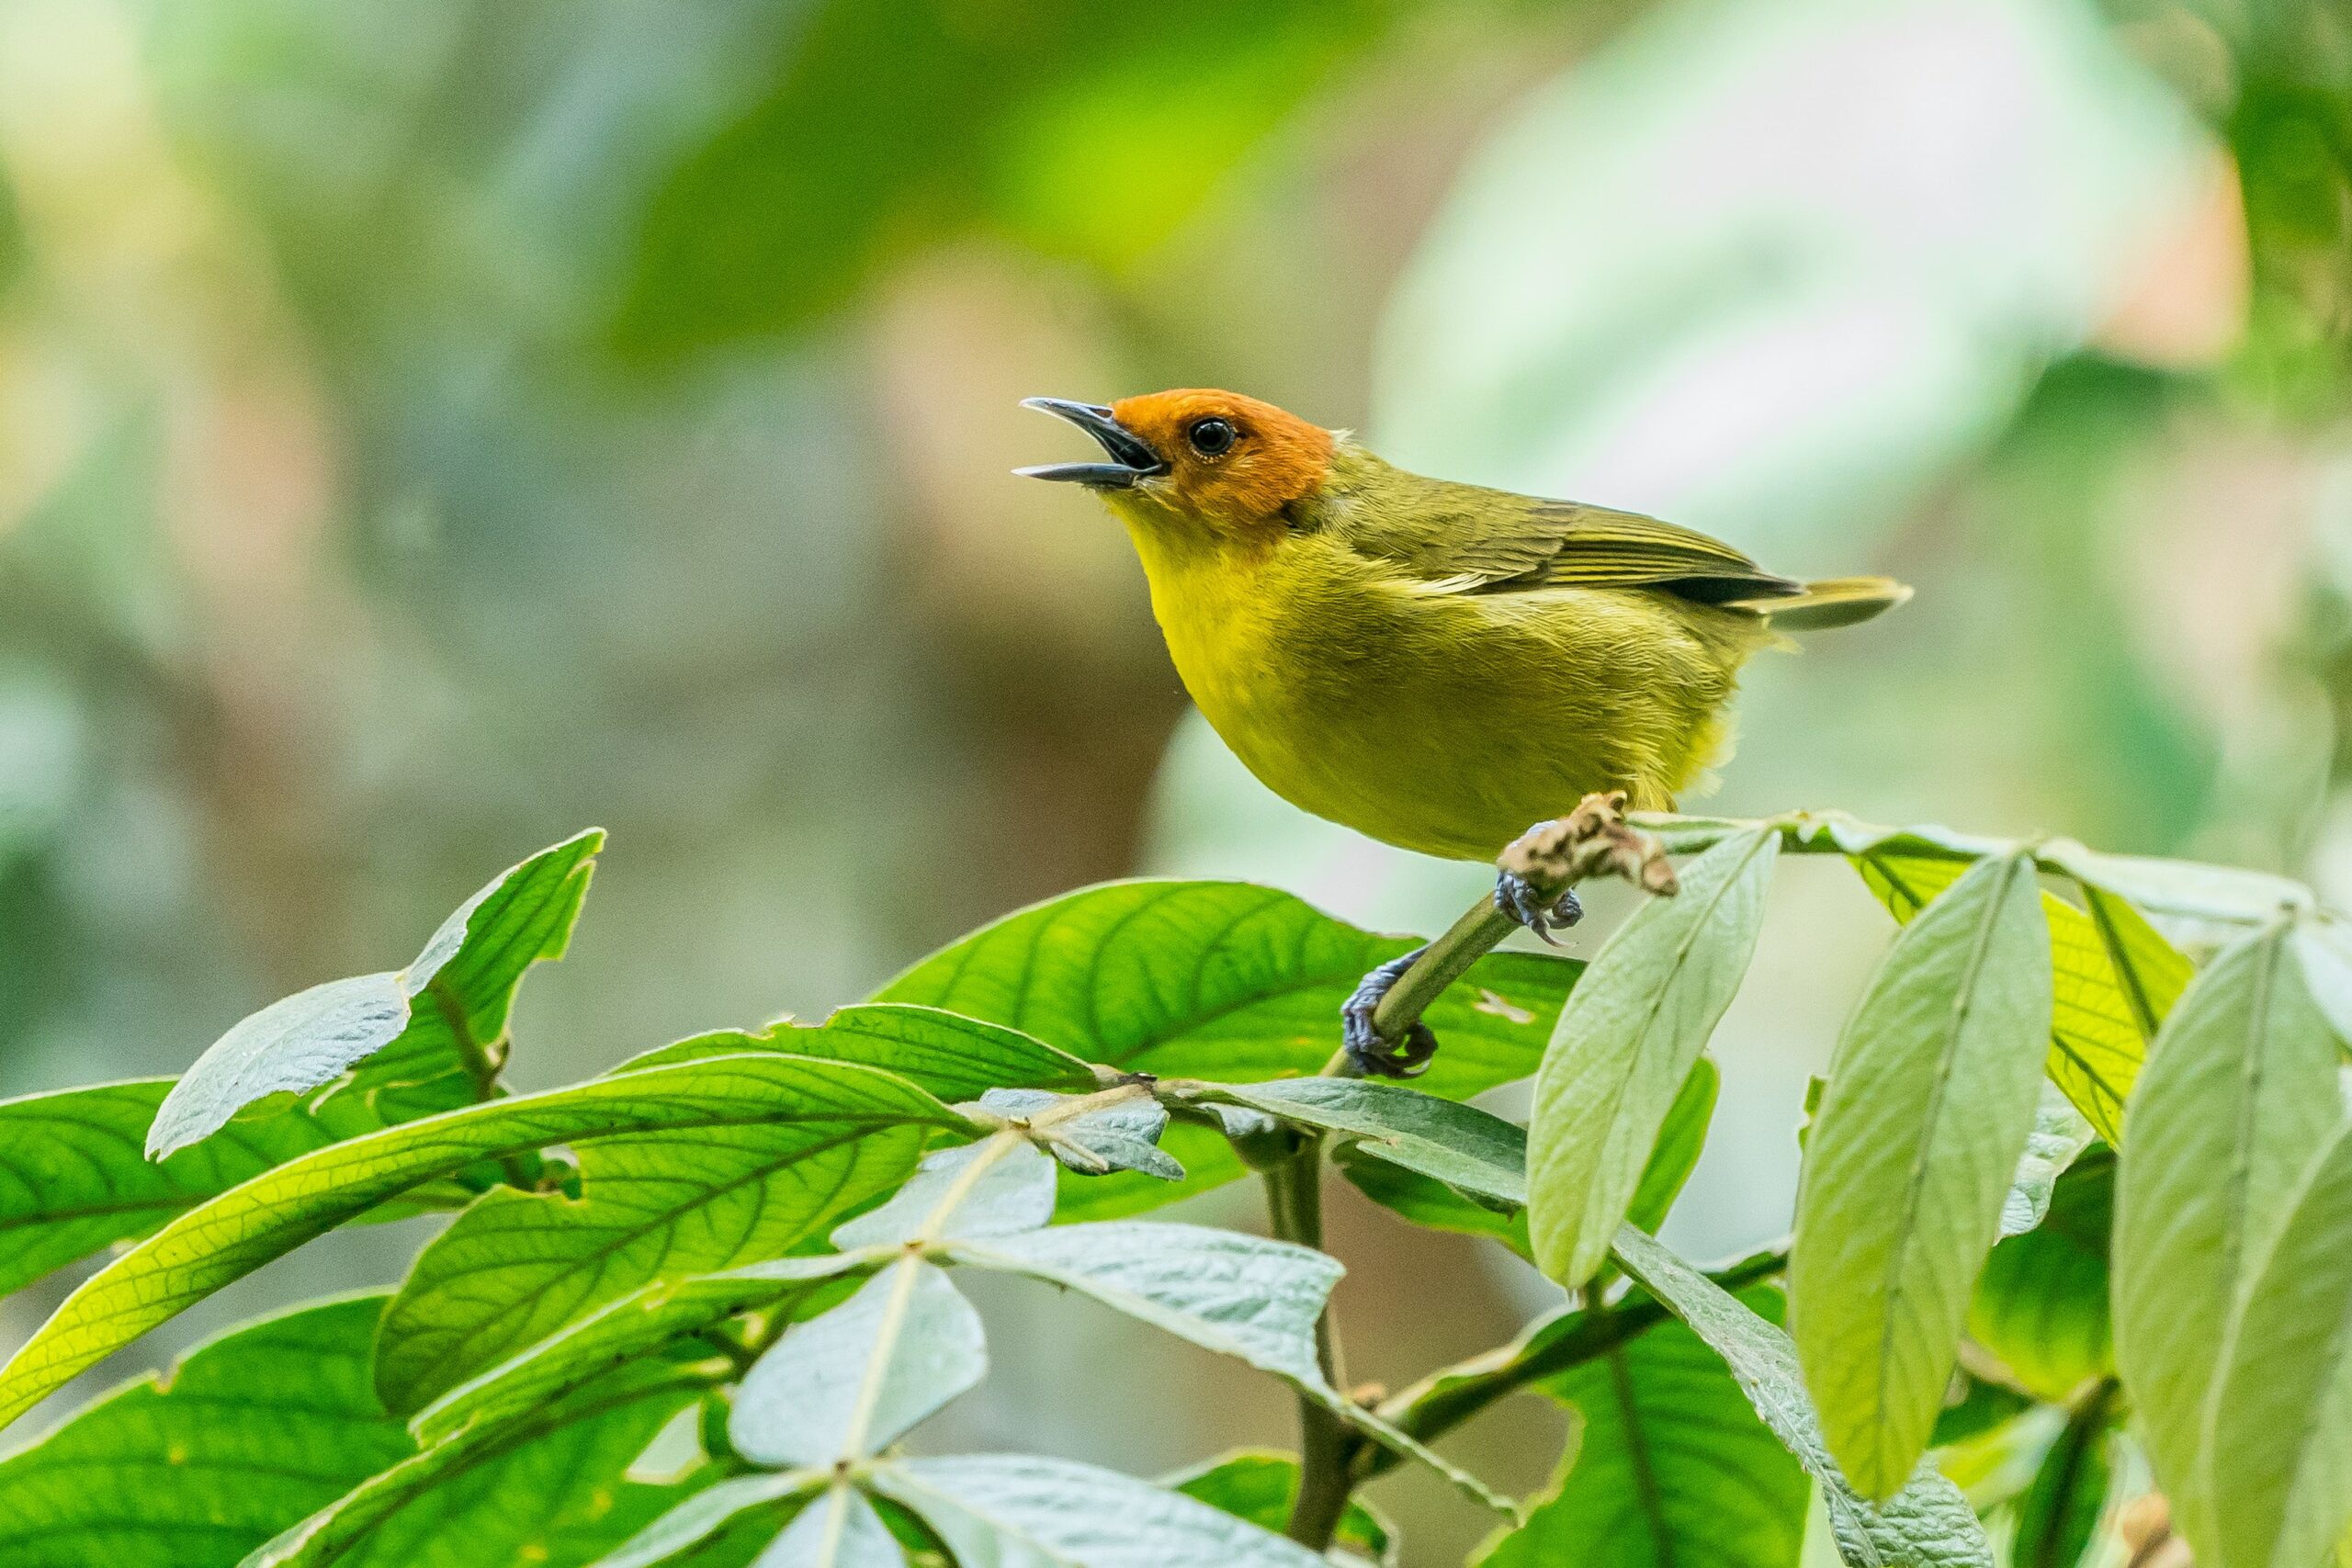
(1493, 542)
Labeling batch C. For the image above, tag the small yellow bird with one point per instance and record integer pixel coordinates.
(1435, 665)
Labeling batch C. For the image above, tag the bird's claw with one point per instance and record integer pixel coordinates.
(1515, 895)
(1370, 1054)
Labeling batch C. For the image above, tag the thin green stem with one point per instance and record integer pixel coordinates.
(1327, 1449)
(482, 1063)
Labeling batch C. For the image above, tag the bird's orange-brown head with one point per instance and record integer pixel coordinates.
(1198, 452)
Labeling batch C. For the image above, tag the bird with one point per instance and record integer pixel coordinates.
(1434, 664)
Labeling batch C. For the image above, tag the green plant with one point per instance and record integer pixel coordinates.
(764, 1228)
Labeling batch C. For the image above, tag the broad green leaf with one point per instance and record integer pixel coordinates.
(644, 1324)
(983, 1189)
(75, 1177)
(1472, 1151)
(2060, 1135)
(839, 1103)
(1927, 1524)
(840, 1529)
(2190, 890)
(1625, 1042)
(1238, 1295)
(1261, 1485)
(1217, 980)
(1671, 1469)
(2060, 1512)
(1119, 1134)
(953, 1057)
(517, 1266)
(1428, 1202)
(849, 1383)
(2280, 1454)
(546, 1487)
(1680, 1141)
(2240, 1092)
(2113, 978)
(1929, 1102)
(718, 1509)
(246, 1436)
(2042, 1305)
(431, 1034)
(1014, 1511)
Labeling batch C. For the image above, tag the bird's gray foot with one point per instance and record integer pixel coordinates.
(1372, 1056)
(1517, 896)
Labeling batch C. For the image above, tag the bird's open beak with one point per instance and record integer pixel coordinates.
(1132, 458)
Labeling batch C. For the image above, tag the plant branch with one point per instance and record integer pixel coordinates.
(1327, 1447)
(1445, 1399)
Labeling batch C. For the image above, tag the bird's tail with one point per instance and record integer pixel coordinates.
(1833, 601)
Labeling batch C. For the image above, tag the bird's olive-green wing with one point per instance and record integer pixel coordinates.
(1463, 539)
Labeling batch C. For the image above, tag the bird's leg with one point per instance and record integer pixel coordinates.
(1517, 895)
(1367, 1052)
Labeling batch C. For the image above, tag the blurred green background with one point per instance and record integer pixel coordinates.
(431, 426)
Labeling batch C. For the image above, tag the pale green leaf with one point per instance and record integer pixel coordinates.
(425, 1027)
(1929, 1101)
(848, 1382)
(1014, 1511)
(1261, 1487)
(268, 1216)
(1470, 1150)
(2060, 1135)
(1671, 1467)
(1217, 980)
(1625, 1042)
(1680, 1141)
(1120, 1135)
(840, 1529)
(2240, 1092)
(247, 1436)
(737, 1501)
(2280, 1454)
(1927, 1524)
(984, 1188)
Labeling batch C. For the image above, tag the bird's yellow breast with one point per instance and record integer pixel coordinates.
(1441, 722)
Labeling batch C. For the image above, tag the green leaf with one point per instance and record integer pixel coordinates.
(1472, 1151)
(2187, 890)
(436, 1030)
(2060, 1512)
(1625, 1042)
(2239, 1091)
(2042, 1305)
(1217, 980)
(1120, 1134)
(740, 1502)
(840, 1105)
(2113, 978)
(1680, 1141)
(955, 1058)
(1261, 1485)
(2060, 1135)
(1431, 1203)
(840, 1529)
(849, 1383)
(517, 1266)
(1010, 1190)
(644, 1324)
(75, 1177)
(1929, 1102)
(245, 1436)
(1014, 1511)
(548, 1487)
(1927, 1524)
(2280, 1454)
(1672, 1468)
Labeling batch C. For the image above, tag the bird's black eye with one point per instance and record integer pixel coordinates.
(1211, 437)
